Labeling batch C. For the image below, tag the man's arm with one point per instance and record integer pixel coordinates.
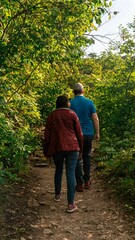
(78, 131)
(96, 125)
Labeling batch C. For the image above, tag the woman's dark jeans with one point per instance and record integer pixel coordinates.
(70, 158)
(85, 175)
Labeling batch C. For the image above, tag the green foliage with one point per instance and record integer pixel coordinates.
(47, 99)
(40, 45)
(15, 145)
(18, 135)
(7, 175)
(112, 87)
(117, 164)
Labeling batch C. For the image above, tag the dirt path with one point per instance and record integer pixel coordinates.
(28, 211)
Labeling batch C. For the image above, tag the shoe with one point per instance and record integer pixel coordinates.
(71, 208)
(57, 198)
(87, 184)
(79, 188)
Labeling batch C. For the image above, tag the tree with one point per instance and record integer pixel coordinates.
(115, 99)
(40, 43)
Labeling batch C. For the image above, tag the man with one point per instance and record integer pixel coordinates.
(86, 112)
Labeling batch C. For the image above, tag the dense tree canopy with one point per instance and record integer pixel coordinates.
(37, 33)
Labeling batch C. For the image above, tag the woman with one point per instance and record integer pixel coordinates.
(63, 141)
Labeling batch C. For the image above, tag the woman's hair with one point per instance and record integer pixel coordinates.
(62, 101)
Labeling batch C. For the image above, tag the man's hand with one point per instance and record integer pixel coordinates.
(97, 137)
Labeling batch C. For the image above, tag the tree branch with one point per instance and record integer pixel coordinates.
(11, 19)
(26, 80)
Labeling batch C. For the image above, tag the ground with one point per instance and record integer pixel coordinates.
(28, 210)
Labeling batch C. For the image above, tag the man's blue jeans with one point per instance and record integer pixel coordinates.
(85, 175)
(70, 158)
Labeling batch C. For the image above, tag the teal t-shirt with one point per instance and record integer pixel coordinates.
(84, 108)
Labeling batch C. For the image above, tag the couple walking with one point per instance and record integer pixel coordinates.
(68, 137)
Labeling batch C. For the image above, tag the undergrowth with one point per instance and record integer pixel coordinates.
(116, 164)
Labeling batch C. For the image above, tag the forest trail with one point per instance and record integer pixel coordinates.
(28, 211)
